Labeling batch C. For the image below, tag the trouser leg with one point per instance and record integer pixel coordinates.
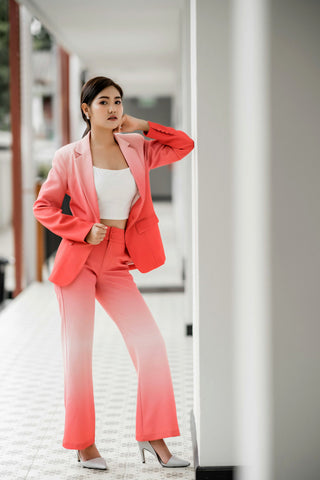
(77, 304)
(156, 409)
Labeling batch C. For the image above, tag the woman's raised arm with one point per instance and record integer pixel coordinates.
(167, 145)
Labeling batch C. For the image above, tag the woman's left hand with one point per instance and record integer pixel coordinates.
(130, 124)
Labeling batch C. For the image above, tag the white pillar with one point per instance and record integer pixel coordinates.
(186, 164)
(77, 125)
(28, 168)
(212, 232)
(182, 170)
(56, 104)
(251, 306)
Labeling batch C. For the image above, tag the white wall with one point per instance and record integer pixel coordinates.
(256, 261)
(295, 235)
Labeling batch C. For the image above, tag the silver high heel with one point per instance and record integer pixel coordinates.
(99, 463)
(174, 461)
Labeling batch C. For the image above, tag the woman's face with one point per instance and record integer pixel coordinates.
(106, 109)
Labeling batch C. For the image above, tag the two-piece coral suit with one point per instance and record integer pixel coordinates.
(83, 272)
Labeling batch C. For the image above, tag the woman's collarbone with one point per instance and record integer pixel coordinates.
(114, 162)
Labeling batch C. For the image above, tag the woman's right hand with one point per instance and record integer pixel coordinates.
(97, 233)
(129, 123)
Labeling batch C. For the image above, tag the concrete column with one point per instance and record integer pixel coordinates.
(186, 204)
(77, 125)
(28, 167)
(57, 104)
(177, 170)
(182, 196)
(212, 233)
(251, 252)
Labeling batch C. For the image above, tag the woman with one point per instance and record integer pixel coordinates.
(113, 228)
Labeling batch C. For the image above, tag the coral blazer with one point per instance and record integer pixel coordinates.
(72, 173)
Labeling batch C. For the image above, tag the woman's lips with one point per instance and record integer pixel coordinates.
(112, 118)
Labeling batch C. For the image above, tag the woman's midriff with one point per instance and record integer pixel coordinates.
(114, 223)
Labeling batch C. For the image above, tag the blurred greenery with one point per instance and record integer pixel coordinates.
(42, 40)
(43, 170)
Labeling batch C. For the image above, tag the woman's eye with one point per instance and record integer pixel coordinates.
(104, 101)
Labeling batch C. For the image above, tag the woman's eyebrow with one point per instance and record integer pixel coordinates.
(108, 97)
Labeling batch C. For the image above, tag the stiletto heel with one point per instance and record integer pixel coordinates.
(99, 463)
(174, 461)
(142, 453)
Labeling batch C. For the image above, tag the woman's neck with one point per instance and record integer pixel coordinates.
(102, 138)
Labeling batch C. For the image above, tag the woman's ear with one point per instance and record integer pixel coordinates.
(84, 108)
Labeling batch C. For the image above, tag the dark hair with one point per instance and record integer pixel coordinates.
(90, 90)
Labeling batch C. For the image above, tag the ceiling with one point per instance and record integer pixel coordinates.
(135, 42)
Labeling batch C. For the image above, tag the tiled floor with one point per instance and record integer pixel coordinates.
(31, 400)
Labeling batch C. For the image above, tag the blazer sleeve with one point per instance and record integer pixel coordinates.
(167, 145)
(47, 207)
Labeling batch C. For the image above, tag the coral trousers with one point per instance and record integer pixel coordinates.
(106, 277)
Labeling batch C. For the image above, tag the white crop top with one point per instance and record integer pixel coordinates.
(116, 190)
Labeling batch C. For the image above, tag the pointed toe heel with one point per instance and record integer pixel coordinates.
(98, 463)
(173, 462)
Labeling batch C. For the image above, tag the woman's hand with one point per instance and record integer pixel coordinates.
(130, 124)
(97, 233)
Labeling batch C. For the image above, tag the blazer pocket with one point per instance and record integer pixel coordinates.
(146, 223)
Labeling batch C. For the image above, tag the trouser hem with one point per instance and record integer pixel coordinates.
(156, 436)
(78, 446)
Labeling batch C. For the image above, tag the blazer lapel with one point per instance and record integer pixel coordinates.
(137, 168)
(85, 172)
